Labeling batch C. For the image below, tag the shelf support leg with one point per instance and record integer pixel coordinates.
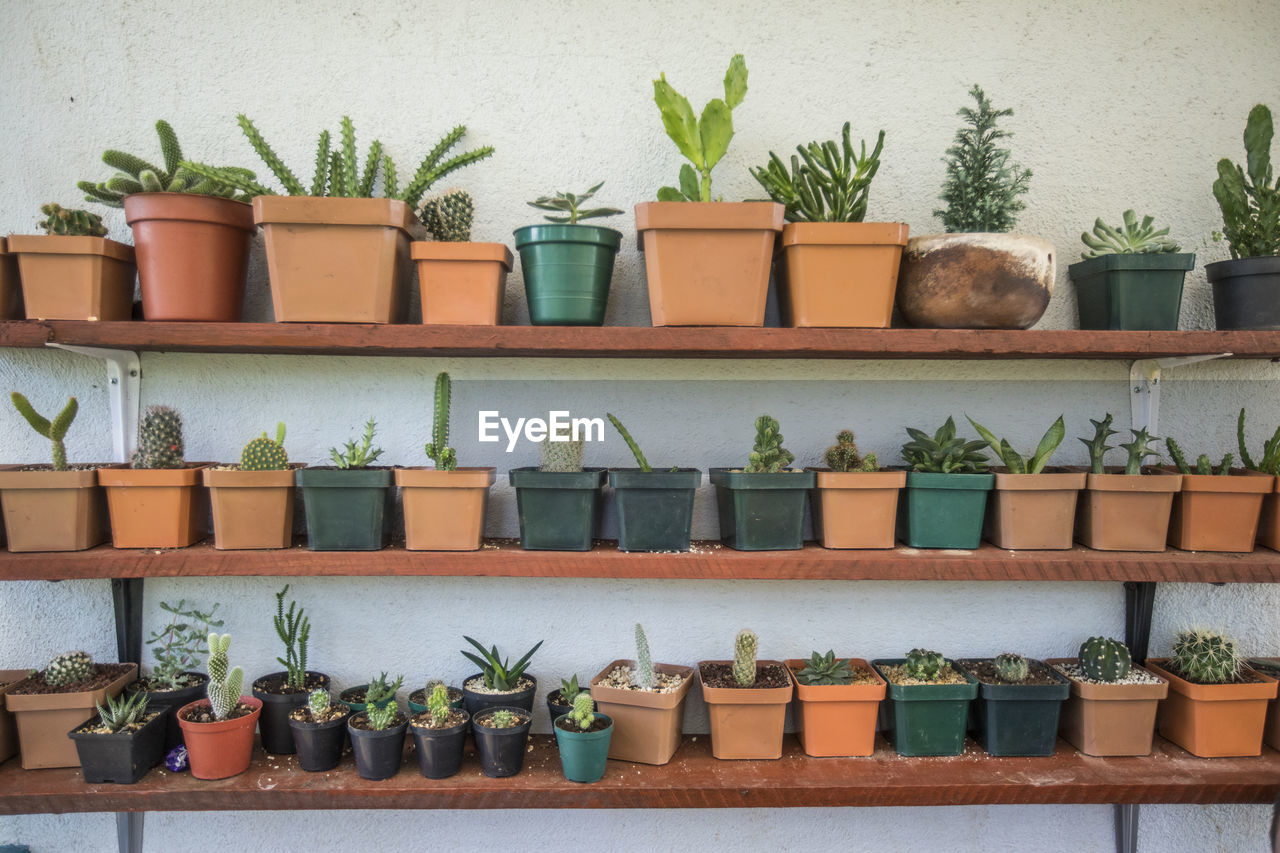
(1126, 828)
(1144, 387)
(124, 390)
(126, 599)
(129, 831)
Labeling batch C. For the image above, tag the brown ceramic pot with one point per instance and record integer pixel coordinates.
(49, 510)
(444, 510)
(1271, 734)
(1214, 720)
(856, 509)
(75, 278)
(646, 726)
(1110, 719)
(193, 255)
(336, 260)
(156, 507)
(840, 274)
(1269, 521)
(461, 284)
(746, 722)
(44, 719)
(8, 729)
(707, 263)
(1212, 513)
(10, 284)
(223, 749)
(837, 719)
(1034, 512)
(975, 281)
(252, 510)
(1125, 512)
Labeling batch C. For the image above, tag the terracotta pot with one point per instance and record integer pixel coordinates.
(222, 749)
(1213, 513)
(708, 262)
(840, 274)
(745, 722)
(252, 510)
(156, 507)
(1110, 719)
(336, 260)
(1034, 512)
(444, 510)
(856, 509)
(975, 281)
(51, 510)
(1125, 512)
(1214, 720)
(1269, 667)
(646, 726)
(8, 730)
(837, 719)
(10, 284)
(44, 720)
(462, 284)
(75, 278)
(1269, 521)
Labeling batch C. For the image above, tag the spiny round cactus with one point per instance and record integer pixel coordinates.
(502, 719)
(159, 439)
(61, 222)
(1011, 667)
(561, 456)
(1104, 659)
(318, 701)
(1206, 657)
(264, 454)
(844, 456)
(68, 668)
(448, 216)
(744, 658)
(583, 713)
(924, 664)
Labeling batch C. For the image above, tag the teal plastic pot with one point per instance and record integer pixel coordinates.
(583, 755)
(1131, 292)
(1019, 719)
(655, 509)
(559, 511)
(567, 270)
(943, 510)
(762, 512)
(347, 509)
(925, 719)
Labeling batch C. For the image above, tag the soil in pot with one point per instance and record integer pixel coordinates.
(48, 510)
(1246, 292)
(75, 278)
(559, 511)
(944, 510)
(347, 509)
(856, 509)
(156, 507)
(655, 508)
(44, 713)
(439, 748)
(1110, 718)
(444, 510)
(925, 717)
(462, 284)
(646, 723)
(278, 701)
(1125, 512)
(746, 722)
(122, 757)
(252, 510)
(567, 272)
(378, 752)
(1018, 718)
(501, 748)
(762, 512)
(318, 741)
(168, 701)
(583, 752)
(1216, 513)
(839, 274)
(838, 719)
(1129, 291)
(478, 698)
(1214, 720)
(1034, 512)
(219, 749)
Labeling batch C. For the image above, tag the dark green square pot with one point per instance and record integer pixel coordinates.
(347, 509)
(559, 511)
(1019, 719)
(655, 509)
(762, 512)
(1131, 292)
(943, 510)
(567, 271)
(925, 719)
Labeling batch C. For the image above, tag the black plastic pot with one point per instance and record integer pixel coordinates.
(123, 757)
(378, 754)
(319, 745)
(1131, 292)
(347, 509)
(1246, 292)
(655, 509)
(169, 701)
(273, 723)
(1019, 719)
(502, 750)
(440, 750)
(559, 511)
(477, 702)
(762, 512)
(557, 708)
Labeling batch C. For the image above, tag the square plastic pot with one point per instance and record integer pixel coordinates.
(8, 728)
(252, 510)
(51, 510)
(1269, 667)
(655, 509)
(1269, 521)
(746, 722)
(156, 507)
(567, 272)
(121, 757)
(461, 284)
(347, 509)
(44, 719)
(1020, 719)
(1126, 512)
(837, 719)
(75, 278)
(1214, 720)
(559, 510)
(840, 274)
(10, 284)
(856, 509)
(646, 726)
(1110, 719)
(444, 510)
(1246, 292)
(1131, 292)
(1034, 512)
(1212, 513)
(762, 512)
(944, 510)
(925, 719)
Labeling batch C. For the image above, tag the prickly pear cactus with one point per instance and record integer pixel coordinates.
(1011, 667)
(844, 456)
(924, 664)
(68, 668)
(744, 658)
(55, 430)
(265, 454)
(1206, 657)
(159, 439)
(561, 456)
(768, 456)
(61, 222)
(1104, 659)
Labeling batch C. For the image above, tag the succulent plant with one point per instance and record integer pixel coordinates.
(568, 206)
(944, 452)
(982, 188)
(1206, 657)
(1138, 450)
(569, 689)
(123, 710)
(1104, 659)
(583, 713)
(1016, 462)
(502, 719)
(703, 141)
(768, 456)
(179, 645)
(381, 716)
(224, 684)
(644, 661)
(631, 443)
(1250, 198)
(561, 456)
(438, 449)
(294, 629)
(68, 668)
(265, 454)
(160, 442)
(1133, 238)
(1269, 463)
(357, 456)
(1011, 667)
(381, 693)
(55, 430)
(62, 222)
(744, 658)
(924, 665)
(498, 673)
(828, 182)
(844, 456)
(438, 704)
(1204, 465)
(318, 701)
(825, 669)
(448, 216)
(1097, 445)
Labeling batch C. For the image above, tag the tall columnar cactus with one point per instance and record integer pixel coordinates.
(224, 684)
(583, 713)
(438, 704)
(1097, 445)
(1138, 450)
(438, 450)
(1104, 659)
(1269, 463)
(924, 664)
(159, 439)
(1011, 667)
(318, 701)
(768, 456)
(644, 661)
(844, 456)
(265, 454)
(68, 668)
(1250, 199)
(744, 658)
(54, 430)
(448, 216)
(631, 443)
(1206, 657)
(61, 222)
(561, 456)
(294, 629)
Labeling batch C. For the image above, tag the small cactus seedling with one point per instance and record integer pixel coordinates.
(1132, 239)
(744, 658)
(224, 684)
(561, 456)
(438, 704)
(1104, 659)
(318, 701)
(265, 454)
(631, 443)
(1269, 463)
(583, 713)
(502, 719)
(380, 701)
(55, 430)
(1204, 465)
(1011, 667)
(438, 449)
(68, 668)
(568, 206)
(843, 456)
(358, 456)
(123, 711)
(294, 629)
(448, 216)
(160, 442)
(825, 669)
(1015, 461)
(1206, 657)
(1097, 445)
(944, 452)
(644, 661)
(768, 456)
(924, 664)
(60, 222)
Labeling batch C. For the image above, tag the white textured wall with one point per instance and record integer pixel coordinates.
(1118, 105)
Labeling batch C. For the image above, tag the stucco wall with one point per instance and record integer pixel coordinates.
(1118, 105)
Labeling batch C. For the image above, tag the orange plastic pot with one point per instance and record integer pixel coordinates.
(156, 507)
(51, 510)
(252, 510)
(75, 278)
(222, 749)
(1269, 521)
(840, 274)
(707, 263)
(1214, 720)
(1126, 512)
(1213, 513)
(10, 284)
(8, 729)
(837, 719)
(461, 284)
(1110, 719)
(646, 726)
(193, 255)
(336, 260)
(745, 722)
(444, 510)
(856, 509)
(43, 720)
(1034, 512)
(1268, 666)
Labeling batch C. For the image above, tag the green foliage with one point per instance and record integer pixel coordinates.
(160, 443)
(380, 693)
(1206, 657)
(768, 456)
(569, 205)
(583, 713)
(55, 430)
(944, 452)
(294, 629)
(438, 449)
(1132, 239)
(1138, 450)
(703, 141)
(68, 668)
(358, 456)
(1270, 460)
(448, 216)
(122, 711)
(924, 664)
(179, 645)
(825, 669)
(224, 685)
(569, 690)
(844, 456)
(635, 448)
(982, 188)
(61, 222)
(1015, 462)
(561, 456)
(827, 182)
(1097, 445)
(1104, 659)
(644, 661)
(265, 454)
(381, 716)
(318, 701)
(498, 673)
(744, 658)
(1203, 464)
(1250, 198)
(1011, 667)
(438, 704)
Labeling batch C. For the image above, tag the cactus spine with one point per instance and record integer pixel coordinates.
(438, 704)
(561, 456)
(744, 658)
(54, 430)
(438, 450)
(224, 685)
(924, 664)
(265, 454)
(318, 701)
(60, 222)
(644, 662)
(448, 216)
(159, 439)
(68, 668)
(583, 713)
(1104, 659)
(1011, 667)
(844, 456)
(768, 456)
(1206, 657)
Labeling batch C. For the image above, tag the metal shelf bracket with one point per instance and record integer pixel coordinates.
(1144, 386)
(124, 390)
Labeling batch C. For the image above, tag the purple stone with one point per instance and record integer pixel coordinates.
(176, 760)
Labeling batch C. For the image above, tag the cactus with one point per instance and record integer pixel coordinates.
(844, 456)
(1132, 239)
(502, 719)
(1206, 657)
(1104, 659)
(264, 454)
(1175, 453)
(1015, 461)
(159, 439)
(982, 188)
(830, 185)
(123, 711)
(768, 456)
(438, 450)
(381, 716)
(702, 140)
(61, 222)
(944, 452)
(644, 661)
(1250, 200)
(358, 456)
(1270, 461)
(449, 216)
(318, 701)
(583, 713)
(1138, 450)
(744, 658)
(438, 704)
(1011, 667)
(561, 456)
(568, 204)
(631, 443)
(924, 665)
(55, 430)
(224, 685)
(1204, 465)
(1097, 445)
(68, 668)
(825, 669)
(381, 695)
(294, 629)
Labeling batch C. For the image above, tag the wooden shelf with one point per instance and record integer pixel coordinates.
(633, 341)
(692, 780)
(707, 561)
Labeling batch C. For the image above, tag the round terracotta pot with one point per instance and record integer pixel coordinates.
(75, 278)
(223, 749)
(975, 281)
(462, 284)
(193, 255)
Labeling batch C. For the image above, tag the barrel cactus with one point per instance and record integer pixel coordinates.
(68, 668)
(924, 664)
(561, 456)
(448, 216)
(744, 658)
(1104, 659)
(1206, 657)
(264, 453)
(159, 439)
(1011, 667)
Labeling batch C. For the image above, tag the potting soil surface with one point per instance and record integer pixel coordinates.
(985, 671)
(103, 674)
(721, 675)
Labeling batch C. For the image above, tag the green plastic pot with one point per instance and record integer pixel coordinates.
(1019, 719)
(567, 270)
(925, 719)
(655, 509)
(1131, 292)
(944, 510)
(559, 510)
(347, 509)
(583, 755)
(762, 512)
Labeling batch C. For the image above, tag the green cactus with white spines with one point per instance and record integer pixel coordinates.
(224, 683)
(62, 222)
(68, 668)
(160, 442)
(448, 216)
(438, 704)
(583, 713)
(744, 658)
(1011, 667)
(55, 430)
(264, 453)
(644, 661)
(1104, 659)
(844, 456)
(1206, 657)
(924, 665)
(318, 701)
(561, 456)
(768, 456)
(438, 449)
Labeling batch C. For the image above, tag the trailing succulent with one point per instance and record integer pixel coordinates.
(1204, 465)
(1014, 461)
(703, 141)
(827, 182)
(55, 430)
(264, 453)
(568, 206)
(924, 665)
(1206, 657)
(160, 442)
(179, 645)
(744, 658)
(768, 456)
(438, 449)
(1250, 197)
(448, 216)
(1269, 462)
(944, 452)
(360, 455)
(294, 630)
(825, 669)
(982, 188)
(61, 222)
(68, 668)
(499, 674)
(1011, 667)
(224, 684)
(1130, 239)
(843, 456)
(1104, 659)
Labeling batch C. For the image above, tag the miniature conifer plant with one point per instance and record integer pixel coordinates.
(982, 188)
(55, 430)
(438, 450)
(160, 443)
